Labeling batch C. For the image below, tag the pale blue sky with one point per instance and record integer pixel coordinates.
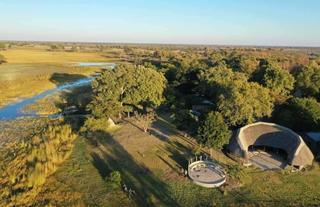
(240, 22)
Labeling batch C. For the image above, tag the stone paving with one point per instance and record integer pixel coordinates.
(205, 173)
(267, 161)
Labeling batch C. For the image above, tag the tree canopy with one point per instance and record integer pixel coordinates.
(214, 131)
(126, 88)
(245, 103)
(217, 80)
(244, 63)
(272, 76)
(239, 101)
(308, 80)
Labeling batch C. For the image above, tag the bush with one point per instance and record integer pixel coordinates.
(113, 181)
(93, 124)
(235, 171)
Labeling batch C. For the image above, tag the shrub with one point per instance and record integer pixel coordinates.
(113, 181)
(235, 171)
(93, 124)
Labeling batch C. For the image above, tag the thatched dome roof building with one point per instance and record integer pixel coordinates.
(275, 136)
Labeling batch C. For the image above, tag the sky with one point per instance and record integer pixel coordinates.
(217, 22)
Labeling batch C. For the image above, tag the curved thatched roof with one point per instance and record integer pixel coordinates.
(272, 135)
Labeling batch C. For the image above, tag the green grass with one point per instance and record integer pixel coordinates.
(150, 165)
(81, 182)
(129, 150)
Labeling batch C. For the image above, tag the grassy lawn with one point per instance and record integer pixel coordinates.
(80, 183)
(150, 164)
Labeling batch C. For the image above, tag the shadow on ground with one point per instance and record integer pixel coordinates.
(109, 155)
(77, 97)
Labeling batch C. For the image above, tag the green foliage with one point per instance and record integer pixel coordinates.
(280, 81)
(240, 102)
(301, 114)
(235, 171)
(126, 88)
(308, 80)
(284, 116)
(114, 180)
(185, 120)
(245, 103)
(244, 63)
(92, 124)
(214, 131)
(217, 81)
(217, 58)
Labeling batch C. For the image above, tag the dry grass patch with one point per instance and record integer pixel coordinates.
(45, 56)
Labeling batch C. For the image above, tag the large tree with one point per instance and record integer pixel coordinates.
(126, 88)
(308, 80)
(244, 63)
(214, 131)
(217, 80)
(272, 76)
(245, 102)
(239, 101)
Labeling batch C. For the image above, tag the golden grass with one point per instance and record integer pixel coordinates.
(12, 91)
(47, 105)
(35, 158)
(28, 71)
(18, 56)
(23, 85)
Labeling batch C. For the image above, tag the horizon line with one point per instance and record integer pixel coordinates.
(164, 44)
